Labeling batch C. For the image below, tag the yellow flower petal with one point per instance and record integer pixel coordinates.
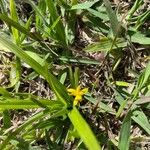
(78, 98)
(84, 91)
(72, 92)
(78, 93)
(78, 89)
(75, 102)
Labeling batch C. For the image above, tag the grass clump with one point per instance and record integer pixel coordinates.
(74, 75)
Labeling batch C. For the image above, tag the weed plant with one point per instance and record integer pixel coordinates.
(108, 110)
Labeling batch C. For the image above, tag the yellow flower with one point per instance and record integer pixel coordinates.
(78, 93)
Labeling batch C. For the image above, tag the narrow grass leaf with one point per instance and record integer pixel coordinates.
(140, 118)
(122, 83)
(98, 14)
(121, 108)
(140, 39)
(124, 138)
(84, 130)
(142, 100)
(144, 77)
(22, 29)
(36, 57)
(105, 44)
(14, 16)
(60, 30)
(4, 92)
(71, 77)
(58, 88)
(76, 76)
(134, 8)
(6, 119)
(12, 103)
(84, 5)
(100, 104)
(22, 127)
(112, 17)
(37, 10)
(27, 26)
(79, 60)
(141, 20)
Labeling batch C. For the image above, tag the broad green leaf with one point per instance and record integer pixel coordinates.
(84, 130)
(124, 138)
(74, 77)
(21, 54)
(49, 123)
(105, 44)
(140, 118)
(84, 5)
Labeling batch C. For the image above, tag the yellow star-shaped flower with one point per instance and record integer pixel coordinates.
(78, 93)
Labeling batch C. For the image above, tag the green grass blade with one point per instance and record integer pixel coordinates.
(12, 103)
(142, 81)
(21, 54)
(71, 78)
(134, 8)
(84, 130)
(6, 119)
(27, 26)
(84, 5)
(60, 30)
(112, 17)
(140, 118)
(105, 44)
(141, 20)
(78, 60)
(76, 76)
(22, 29)
(4, 92)
(140, 38)
(14, 16)
(22, 127)
(124, 138)
(57, 87)
(37, 10)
